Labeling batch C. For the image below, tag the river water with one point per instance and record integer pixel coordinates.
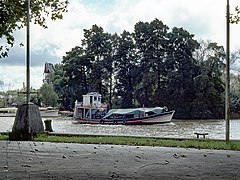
(176, 129)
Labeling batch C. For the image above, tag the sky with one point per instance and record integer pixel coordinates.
(206, 19)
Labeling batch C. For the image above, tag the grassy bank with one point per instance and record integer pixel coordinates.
(136, 141)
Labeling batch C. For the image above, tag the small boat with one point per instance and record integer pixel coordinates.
(48, 112)
(12, 111)
(92, 111)
(8, 112)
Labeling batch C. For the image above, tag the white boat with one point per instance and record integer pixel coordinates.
(48, 112)
(8, 112)
(92, 111)
(12, 111)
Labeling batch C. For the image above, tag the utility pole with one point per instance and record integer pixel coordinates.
(28, 53)
(227, 81)
(28, 121)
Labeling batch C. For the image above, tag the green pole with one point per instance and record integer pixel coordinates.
(227, 81)
(28, 53)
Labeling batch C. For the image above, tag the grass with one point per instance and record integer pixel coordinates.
(137, 141)
(4, 137)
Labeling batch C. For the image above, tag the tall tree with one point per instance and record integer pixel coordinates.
(13, 17)
(59, 80)
(96, 46)
(125, 66)
(77, 66)
(182, 71)
(152, 43)
(108, 67)
(209, 87)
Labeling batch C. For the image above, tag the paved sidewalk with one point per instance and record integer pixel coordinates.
(45, 160)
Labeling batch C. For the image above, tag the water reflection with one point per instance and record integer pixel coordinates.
(176, 129)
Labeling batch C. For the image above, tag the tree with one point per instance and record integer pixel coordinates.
(59, 80)
(96, 44)
(182, 69)
(209, 86)
(76, 66)
(235, 18)
(235, 85)
(13, 17)
(152, 44)
(48, 96)
(89, 67)
(126, 63)
(109, 67)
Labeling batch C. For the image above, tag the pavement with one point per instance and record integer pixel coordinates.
(46, 160)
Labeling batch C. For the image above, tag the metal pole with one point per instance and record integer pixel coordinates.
(227, 81)
(28, 52)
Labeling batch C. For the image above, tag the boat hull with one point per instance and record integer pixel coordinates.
(165, 117)
(49, 113)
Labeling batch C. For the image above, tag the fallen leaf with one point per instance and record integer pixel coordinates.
(175, 155)
(138, 157)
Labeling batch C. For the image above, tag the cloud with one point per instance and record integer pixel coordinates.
(205, 19)
(15, 76)
(38, 56)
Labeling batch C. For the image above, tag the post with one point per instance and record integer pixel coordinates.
(227, 80)
(28, 121)
(48, 125)
(28, 53)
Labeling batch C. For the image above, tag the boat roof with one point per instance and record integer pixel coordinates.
(156, 110)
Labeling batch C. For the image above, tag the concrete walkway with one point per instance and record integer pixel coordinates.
(45, 160)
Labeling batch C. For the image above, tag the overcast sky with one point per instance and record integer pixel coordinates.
(203, 18)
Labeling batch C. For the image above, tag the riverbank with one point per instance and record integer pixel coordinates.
(46, 160)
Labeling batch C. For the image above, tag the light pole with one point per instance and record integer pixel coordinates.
(28, 53)
(227, 80)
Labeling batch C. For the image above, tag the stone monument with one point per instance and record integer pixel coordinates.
(27, 124)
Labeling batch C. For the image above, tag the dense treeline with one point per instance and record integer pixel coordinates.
(153, 66)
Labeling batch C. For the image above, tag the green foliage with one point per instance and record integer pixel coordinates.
(125, 67)
(181, 72)
(153, 66)
(209, 96)
(4, 137)
(48, 96)
(13, 17)
(59, 79)
(152, 42)
(235, 18)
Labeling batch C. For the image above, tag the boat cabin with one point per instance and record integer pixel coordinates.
(91, 107)
(92, 99)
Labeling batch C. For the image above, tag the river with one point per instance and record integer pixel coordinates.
(176, 129)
